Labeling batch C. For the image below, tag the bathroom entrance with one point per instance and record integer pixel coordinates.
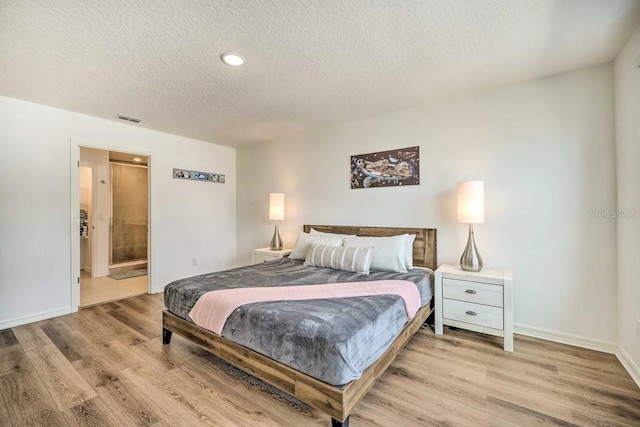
(114, 224)
(129, 209)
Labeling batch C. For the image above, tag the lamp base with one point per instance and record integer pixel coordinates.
(276, 241)
(471, 259)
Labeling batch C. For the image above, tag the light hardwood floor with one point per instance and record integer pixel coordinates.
(98, 290)
(106, 366)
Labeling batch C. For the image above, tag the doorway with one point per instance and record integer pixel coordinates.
(113, 196)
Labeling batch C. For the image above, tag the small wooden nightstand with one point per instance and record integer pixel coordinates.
(265, 254)
(480, 302)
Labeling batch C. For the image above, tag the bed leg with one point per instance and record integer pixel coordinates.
(336, 423)
(166, 336)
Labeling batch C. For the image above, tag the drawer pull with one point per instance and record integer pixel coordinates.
(470, 291)
(471, 313)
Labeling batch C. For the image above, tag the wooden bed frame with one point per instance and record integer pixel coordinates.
(335, 401)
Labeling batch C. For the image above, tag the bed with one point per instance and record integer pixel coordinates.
(326, 373)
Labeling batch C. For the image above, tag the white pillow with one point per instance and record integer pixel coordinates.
(389, 253)
(305, 240)
(356, 259)
(321, 233)
(409, 253)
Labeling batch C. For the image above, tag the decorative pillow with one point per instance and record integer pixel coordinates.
(389, 253)
(321, 233)
(305, 240)
(409, 253)
(355, 258)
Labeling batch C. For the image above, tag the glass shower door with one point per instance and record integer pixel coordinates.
(129, 210)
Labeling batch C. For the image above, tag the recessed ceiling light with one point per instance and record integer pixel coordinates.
(232, 58)
(137, 159)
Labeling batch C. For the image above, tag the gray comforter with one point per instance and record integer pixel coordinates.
(333, 340)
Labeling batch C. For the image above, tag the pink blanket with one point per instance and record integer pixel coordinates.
(213, 308)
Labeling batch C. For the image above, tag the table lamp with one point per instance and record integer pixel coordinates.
(276, 213)
(470, 195)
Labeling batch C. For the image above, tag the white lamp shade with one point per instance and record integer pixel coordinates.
(470, 197)
(276, 206)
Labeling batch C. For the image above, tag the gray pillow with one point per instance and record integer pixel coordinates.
(389, 253)
(322, 233)
(305, 240)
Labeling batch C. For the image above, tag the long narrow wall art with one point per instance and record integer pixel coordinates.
(391, 168)
(198, 176)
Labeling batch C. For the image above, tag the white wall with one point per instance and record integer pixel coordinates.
(188, 219)
(545, 150)
(627, 101)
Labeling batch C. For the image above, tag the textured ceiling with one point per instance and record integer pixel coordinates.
(309, 63)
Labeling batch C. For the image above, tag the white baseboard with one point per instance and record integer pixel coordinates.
(629, 365)
(156, 289)
(565, 338)
(23, 320)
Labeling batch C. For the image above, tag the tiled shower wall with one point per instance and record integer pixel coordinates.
(129, 213)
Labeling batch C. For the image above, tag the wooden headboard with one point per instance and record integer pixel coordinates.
(425, 253)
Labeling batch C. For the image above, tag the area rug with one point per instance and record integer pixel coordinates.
(251, 381)
(129, 274)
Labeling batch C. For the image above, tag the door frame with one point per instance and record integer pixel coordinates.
(75, 144)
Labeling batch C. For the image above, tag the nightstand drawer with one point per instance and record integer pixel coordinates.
(260, 258)
(477, 314)
(479, 293)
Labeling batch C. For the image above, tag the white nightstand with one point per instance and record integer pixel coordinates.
(265, 254)
(480, 302)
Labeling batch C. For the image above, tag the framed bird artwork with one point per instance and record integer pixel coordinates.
(391, 168)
